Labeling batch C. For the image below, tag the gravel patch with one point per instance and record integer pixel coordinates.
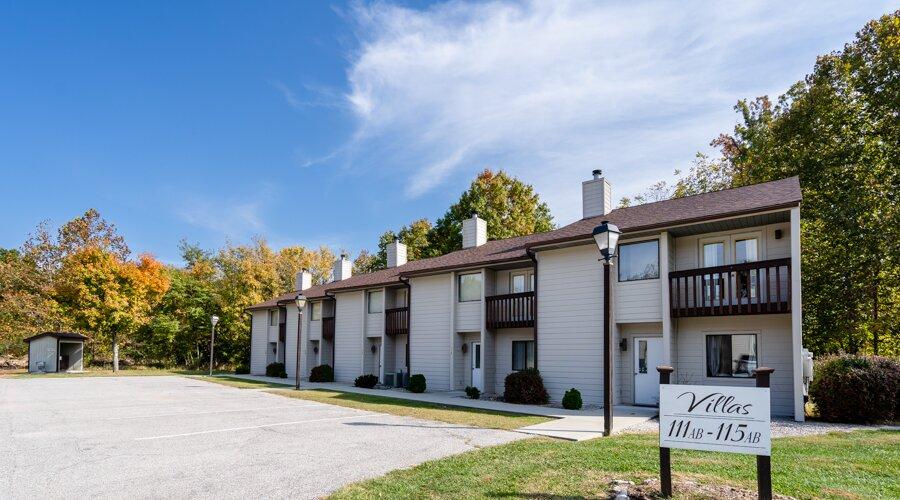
(781, 427)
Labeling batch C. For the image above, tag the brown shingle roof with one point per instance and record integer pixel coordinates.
(730, 202)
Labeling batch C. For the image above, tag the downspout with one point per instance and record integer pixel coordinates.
(405, 282)
(334, 333)
(534, 305)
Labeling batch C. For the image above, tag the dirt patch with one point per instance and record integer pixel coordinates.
(650, 489)
(13, 363)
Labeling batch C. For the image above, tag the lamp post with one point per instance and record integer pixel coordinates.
(300, 300)
(606, 235)
(212, 342)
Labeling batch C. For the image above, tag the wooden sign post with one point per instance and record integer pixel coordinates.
(716, 418)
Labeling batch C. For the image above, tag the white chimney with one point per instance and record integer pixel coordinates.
(596, 196)
(396, 254)
(303, 280)
(474, 232)
(343, 268)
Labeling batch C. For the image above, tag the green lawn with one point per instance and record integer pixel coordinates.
(238, 382)
(862, 464)
(418, 409)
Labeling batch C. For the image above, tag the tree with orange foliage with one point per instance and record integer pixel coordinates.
(108, 297)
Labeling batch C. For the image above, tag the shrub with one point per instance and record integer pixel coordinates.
(852, 388)
(525, 387)
(321, 373)
(242, 370)
(473, 392)
(276, 370)
(366, 381)
(572, 399)
(417, 383)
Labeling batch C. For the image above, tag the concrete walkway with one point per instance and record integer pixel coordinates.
(573, 425)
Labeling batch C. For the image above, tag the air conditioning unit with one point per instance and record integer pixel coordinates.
(390, 379)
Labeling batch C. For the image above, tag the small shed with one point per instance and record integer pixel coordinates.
(52, 352)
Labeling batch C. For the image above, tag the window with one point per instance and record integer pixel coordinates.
(273, 317)
(469, 287)
(730, 355)
(376, 302)
(714, 254)
(316, 311)
(746, 250)
(522, 281)
(522, 354)
(400, 298)
(639, 261)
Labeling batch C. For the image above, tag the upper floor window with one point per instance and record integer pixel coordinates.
(730, 355)
(400, 297)
(273, 317)
(521, 281)
(316, 311)
(639, 261)
(469, 287)
(375, 301)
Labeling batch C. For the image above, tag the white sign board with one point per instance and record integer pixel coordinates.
(714, 418)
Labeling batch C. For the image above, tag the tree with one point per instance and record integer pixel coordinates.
(107, 297)
(26, 306)
(510, 207)
(416, 236)
(365, 263)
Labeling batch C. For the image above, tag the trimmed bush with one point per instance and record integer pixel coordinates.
(858, 389)
(276, 370)
(321, 373)
(473, 392)
(366, 381)
(525, 387)
(242, 370)
(572, 399)
(417, 383)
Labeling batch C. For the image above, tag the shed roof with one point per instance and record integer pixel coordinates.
(745, 200)
(58, 335)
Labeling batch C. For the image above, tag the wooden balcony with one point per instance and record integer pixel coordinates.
(762, 287)
(513, 310)
(396, 321)
(328, 328)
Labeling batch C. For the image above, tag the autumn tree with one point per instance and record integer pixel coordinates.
(108, 297)
(26, 304)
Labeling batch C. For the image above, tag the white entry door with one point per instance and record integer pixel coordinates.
(647, 356)
(477, 371)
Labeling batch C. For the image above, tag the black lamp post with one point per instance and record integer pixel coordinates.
(212, 342)
(300, 300)
(606, 235)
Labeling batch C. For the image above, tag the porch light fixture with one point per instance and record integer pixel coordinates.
(212, 341)
(300, 300)
(606, 236)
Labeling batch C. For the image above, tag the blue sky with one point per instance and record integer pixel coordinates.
(326, 123)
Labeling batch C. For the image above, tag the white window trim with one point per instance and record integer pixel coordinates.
(312, 308)
(759, 355)
(529, 278)
(459, 288)
(659, 258)
(369, 302)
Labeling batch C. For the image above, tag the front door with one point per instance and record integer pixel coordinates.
(477, 371)
(647, 356)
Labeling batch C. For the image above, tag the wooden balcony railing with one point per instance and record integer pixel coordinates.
(762, 287)
(396, 321)
(514, 310)
(328, 328)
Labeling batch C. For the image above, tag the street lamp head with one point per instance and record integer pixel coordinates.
(214, 319)
(300, 301)
(606, 235)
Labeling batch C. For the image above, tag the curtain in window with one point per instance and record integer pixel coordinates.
(718, 355)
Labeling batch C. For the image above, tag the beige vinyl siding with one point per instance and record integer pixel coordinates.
(42, 349)
(348, 338)
(773, 347)
(259, 340)
(430, 330)
(290, 341)
(375, 321)
(488, 337)
(570, 308)
(638, 301)
(503, 352)
(468, 316)
(371, 361)
(463, 361)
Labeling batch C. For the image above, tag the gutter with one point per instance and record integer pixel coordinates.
(405, 282)
(534, 313)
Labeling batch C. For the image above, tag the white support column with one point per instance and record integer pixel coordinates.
(664, 297)
(796, 317)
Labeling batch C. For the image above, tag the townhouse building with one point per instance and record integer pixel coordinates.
(709, 284)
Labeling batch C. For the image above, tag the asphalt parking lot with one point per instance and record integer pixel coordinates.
(175, 437)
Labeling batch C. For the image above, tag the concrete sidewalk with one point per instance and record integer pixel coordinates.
(573, 425)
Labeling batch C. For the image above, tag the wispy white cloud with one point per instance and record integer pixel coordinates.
(551, 90)
(235, 218)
